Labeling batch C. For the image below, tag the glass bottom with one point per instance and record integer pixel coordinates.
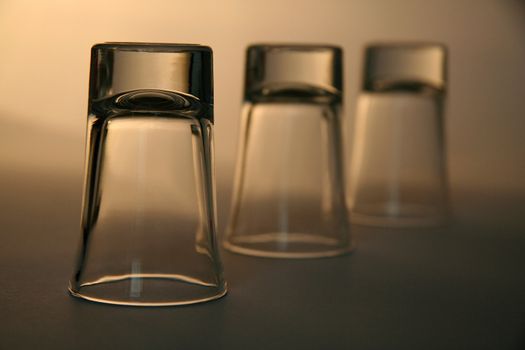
(287, 245)
(399, 216)
(148, 290)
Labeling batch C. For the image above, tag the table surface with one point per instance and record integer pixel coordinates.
(460, 287)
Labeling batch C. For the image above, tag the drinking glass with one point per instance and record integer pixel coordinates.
(148, 218)
(289, 197)
(398, 176)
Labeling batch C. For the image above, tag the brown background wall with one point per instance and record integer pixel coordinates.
(44, 64)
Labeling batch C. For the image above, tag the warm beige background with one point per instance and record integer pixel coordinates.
(44, 64)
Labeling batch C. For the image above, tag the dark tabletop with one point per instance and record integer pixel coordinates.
(459, 287)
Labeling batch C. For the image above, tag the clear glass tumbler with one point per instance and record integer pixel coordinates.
(289, 197)
(398, 175)
(148, 220)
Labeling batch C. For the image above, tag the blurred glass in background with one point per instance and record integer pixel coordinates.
(289, 198)
(398, 171)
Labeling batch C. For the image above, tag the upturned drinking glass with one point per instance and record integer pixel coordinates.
(289, 195)
(148, 219)
(398, 165)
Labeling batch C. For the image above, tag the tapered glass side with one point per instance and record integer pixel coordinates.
(398, 175)
(289, 199)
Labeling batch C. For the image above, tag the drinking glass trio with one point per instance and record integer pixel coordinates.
(149, 218)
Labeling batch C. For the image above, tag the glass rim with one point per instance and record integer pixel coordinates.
(424, 74)
(405, 45)
(294, 46)
(153, 47)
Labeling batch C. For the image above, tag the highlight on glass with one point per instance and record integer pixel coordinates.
(289, 197)
(148, 219)
(398, 170)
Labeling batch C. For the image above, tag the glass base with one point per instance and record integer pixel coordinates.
(287, 245)
(405, 216)
(148, 290)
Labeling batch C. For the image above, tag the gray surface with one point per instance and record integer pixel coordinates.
(456, 288)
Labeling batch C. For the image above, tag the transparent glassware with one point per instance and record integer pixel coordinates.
(289, 197)
(398, 175)
(148, 218)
